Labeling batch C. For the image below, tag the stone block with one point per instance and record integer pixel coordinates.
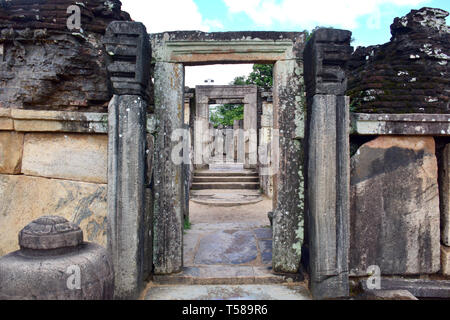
(395, 207)
(6, 123)
(23, 199)
(386, 295)
(420, 288)
(79, 157)
(401, 124)
(227, 247)
(445, 261)
(59, 121)
(326, 55)
(11, 147)
(125, 40)
(444, 182)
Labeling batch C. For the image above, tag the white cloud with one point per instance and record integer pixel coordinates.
(221, 74)
(172, 15)
(307, 14)
(215, 24)
(167, 15)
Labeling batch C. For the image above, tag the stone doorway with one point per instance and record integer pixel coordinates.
(215, 146)
(172, 51)
(227, 236)
(321, 143)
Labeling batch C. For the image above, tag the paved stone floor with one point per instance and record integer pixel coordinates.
(228, 292)
(227, 255)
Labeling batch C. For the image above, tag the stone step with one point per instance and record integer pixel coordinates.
(226, 179)
(226, 275)
(226, 166)
(225, 173)
(225, 185)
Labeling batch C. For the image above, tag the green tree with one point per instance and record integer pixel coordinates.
(262, 76)
(226, 114)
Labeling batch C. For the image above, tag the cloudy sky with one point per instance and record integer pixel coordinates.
(369, 20)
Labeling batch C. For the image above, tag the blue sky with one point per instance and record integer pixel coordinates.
(369, 20)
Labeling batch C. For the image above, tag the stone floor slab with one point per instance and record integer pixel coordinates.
(265, 247)
(228, 292)
(227, 247)
(263, 233)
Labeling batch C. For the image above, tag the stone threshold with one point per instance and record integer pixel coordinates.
(400, 124)
(226, 275)
(21, 120)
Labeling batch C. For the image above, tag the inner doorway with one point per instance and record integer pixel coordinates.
(228, 230)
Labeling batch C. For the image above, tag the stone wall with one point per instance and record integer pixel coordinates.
(51, 163)
(44, 65)
(409, 74)
(444, 193)
(399, 174)
(395, 207)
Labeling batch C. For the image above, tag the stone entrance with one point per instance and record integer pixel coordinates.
(239, 147)
(148, 199)
(174, 50)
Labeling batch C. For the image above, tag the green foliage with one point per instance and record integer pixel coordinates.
(187, 224)
(239, 81)
(226, 114)
(262, 76)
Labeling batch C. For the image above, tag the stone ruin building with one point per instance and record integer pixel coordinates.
(363, 154)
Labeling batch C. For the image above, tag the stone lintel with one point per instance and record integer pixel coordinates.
(197, 48)
(225, 92)
(226, 101)
(400, 124)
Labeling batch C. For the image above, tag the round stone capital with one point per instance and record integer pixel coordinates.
(50, 232)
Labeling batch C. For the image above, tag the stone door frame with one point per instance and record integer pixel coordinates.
(324, 144)
(174, 50)
(236, 94)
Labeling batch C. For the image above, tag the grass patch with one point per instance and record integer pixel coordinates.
(187, 224)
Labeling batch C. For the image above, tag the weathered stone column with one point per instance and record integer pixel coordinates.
(128, 47)
(251, 128)
(168, 176)
(288, 96)
(201, 132)
(126, 192)
(328, 162)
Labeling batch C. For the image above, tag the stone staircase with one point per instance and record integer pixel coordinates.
(225, 180)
